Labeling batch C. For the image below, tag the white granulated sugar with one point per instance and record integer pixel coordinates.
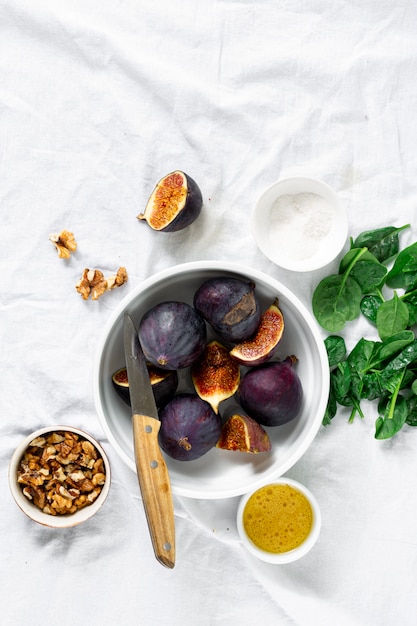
(298, 223)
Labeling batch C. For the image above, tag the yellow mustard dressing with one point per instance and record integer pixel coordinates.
(278, 518)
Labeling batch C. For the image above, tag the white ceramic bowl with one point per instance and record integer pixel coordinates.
(219, 473)
(300, 224)
(35, 513)
(291, 555)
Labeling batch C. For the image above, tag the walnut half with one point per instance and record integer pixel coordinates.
(93, 282)
(65, 243)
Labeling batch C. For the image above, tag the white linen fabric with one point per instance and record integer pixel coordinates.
(98, 100)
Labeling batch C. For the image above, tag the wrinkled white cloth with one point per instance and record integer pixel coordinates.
(98, 100)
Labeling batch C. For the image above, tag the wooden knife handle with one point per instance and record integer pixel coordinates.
(155, 487)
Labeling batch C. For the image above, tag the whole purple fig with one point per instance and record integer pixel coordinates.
(172, 335)
(189, 427)
(272, 393)
(230, 306)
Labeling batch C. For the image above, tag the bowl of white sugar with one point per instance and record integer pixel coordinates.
(300, 224)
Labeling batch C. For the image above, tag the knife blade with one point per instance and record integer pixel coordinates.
(153, 476)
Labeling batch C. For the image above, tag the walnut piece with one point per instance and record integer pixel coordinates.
(61, 473)
(65, 243)
(93, 282)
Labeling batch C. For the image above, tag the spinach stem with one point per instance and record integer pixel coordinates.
(356, 409)
(355, 259)
(379, 293)
(406, 295)
(394, 397)
(346, 273)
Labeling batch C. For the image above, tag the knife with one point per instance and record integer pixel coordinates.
(151, 468)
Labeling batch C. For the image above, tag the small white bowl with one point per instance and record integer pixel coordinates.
(300, 224)
(35, 513)
(295, 553)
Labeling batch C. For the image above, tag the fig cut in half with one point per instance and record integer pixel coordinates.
(164, 384)
(175, 203)
(216, 375)
(231, 307)
(262, 346)
(241, 433)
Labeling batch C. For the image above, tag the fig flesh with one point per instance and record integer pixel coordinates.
(243, 434)
(164, 384)
(172, 335)
(189, 427)
(216, 375)
(272, 393)
(175, 203)
(230, 305)
(263, 345)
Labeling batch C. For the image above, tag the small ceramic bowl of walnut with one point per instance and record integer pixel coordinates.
(59, 476)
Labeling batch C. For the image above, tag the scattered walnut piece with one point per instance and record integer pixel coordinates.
(65, 243)
(65, 481)
(93, 282)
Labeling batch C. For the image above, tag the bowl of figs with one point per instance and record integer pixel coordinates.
(238, 370)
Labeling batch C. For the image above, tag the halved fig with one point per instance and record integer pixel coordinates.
(262, 346)
(242, 434)
(231, 307)
(216, 375)
(175, 203)
(164, 384)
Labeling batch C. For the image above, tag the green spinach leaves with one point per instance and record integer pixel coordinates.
(384, 370)
(339, 298)
(375, 370)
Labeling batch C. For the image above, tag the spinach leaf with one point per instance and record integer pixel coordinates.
(360, 356)
(383, 243)
(407, 356)
(369, 307)
(336, 349)
(331, 409)
(412, 410)
(365, 268)
(392, 411)
(410, 299)
(412, 313)
(371, 387)
(353, 255)
(409, 377)
(394, 414)
(336, 300)
(374, 381)
(403, 273)
(369, 275)
(389, 348)
(340, 380)
(392, 317)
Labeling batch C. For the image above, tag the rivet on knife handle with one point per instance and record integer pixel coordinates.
(155, 488)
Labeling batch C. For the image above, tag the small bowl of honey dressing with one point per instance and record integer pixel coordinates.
(279, 522)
